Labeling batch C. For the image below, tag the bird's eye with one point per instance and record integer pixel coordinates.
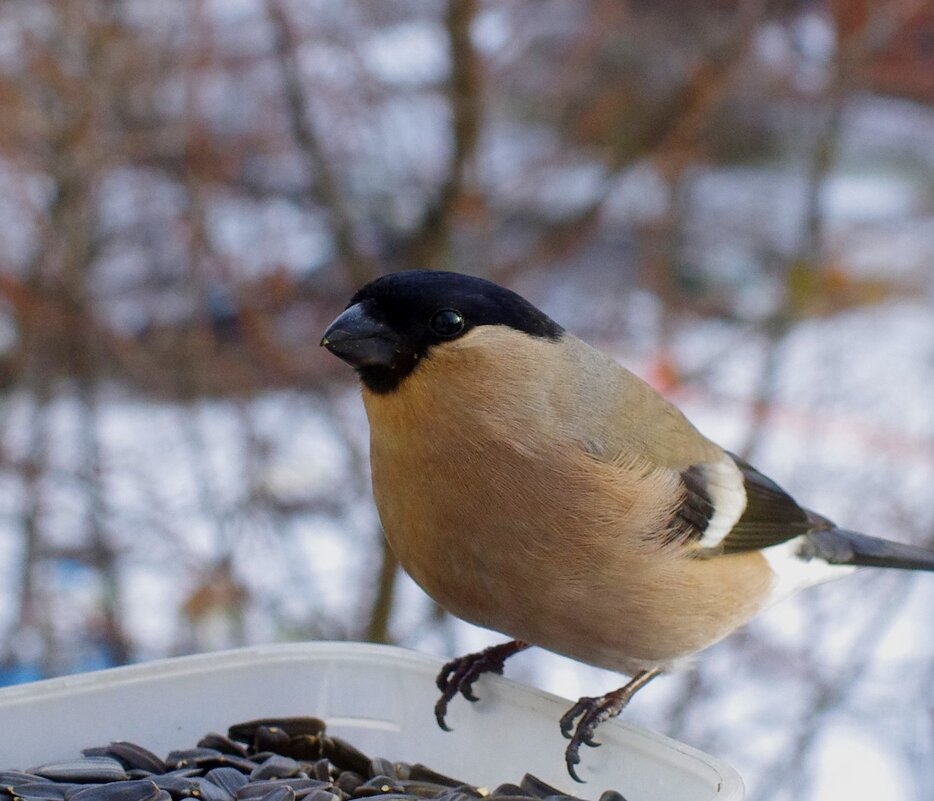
(447, 323)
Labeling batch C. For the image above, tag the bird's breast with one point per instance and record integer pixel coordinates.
(488, 521)
(457, 508)
(510, 524)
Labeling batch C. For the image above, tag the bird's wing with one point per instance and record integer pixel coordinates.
(770, 517)
(729, 507)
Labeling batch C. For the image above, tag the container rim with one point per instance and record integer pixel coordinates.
(728, 782)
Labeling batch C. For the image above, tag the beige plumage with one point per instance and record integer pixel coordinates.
(559, 545)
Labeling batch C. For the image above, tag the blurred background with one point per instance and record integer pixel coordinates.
(734, 197)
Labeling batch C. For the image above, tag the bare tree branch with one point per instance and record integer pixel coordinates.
(668, 140)
(377, 629)
(359, 267)
(428, 241)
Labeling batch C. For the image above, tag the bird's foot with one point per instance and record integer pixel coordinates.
(592, 711)
(459, 675)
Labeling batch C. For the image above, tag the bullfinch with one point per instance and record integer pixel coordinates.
(531, 485)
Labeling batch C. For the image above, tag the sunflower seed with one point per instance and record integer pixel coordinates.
(223, 744)
(10, 777)
(134, 756)
(422, 789)
(534, 786)
(177, 786)
(455, 795)
(383, 767)
(494, 796)
(276, 767)
(322, 795)
(378, 785)
(228, 779)
(345, 756)
(256, 789)
(42, 790)
(245, 732)
(348, 781)
(83, 771)
(142, 790)
(419, 772)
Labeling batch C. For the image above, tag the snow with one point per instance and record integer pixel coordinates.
(854, 764)
(408, 53)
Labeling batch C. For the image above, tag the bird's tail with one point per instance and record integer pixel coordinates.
(841, 547)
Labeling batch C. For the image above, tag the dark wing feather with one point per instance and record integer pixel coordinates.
(693, 515)
(771, 516)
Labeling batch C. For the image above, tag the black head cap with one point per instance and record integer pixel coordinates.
(392, 322)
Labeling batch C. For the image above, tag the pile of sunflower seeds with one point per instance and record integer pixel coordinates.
(282, 759)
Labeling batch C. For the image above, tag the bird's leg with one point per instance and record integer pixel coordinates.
(593, 711)
(458, 675)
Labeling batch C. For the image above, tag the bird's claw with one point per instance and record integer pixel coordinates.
(459, 675)
(567, 719)
(441, 709)
(591, 713)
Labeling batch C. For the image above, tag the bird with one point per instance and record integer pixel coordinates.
(532, 485)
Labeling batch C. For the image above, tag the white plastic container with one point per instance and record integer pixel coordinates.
(378, 697)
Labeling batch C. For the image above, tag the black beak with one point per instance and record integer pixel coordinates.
(360, 340)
